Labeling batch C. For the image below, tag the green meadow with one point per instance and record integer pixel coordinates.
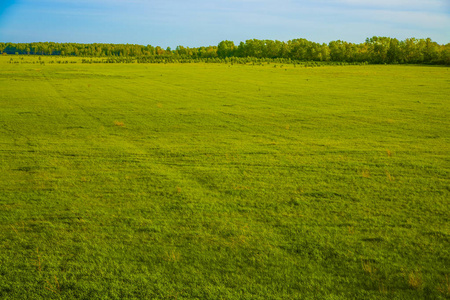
(220, 181)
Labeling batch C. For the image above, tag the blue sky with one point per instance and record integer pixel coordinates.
(202, 23)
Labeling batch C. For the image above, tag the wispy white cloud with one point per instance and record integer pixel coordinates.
(427, 20)
(397, 4)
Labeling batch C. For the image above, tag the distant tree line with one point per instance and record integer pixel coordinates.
(375, 50)
(165, 59)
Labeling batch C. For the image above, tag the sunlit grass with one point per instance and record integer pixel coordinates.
(218, 181)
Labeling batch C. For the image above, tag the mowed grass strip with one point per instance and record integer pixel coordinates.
(209, 181)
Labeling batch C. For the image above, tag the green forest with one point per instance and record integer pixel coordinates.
(375, 50)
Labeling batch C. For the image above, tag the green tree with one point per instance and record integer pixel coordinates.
(150, 49)
(337, 50)
(159, 50)
(226, 49)
(445, 54)
(272, 49)
(299, 49)
(241, 50)
(430, 51)
(411, 51)
(379, 47)
(181, 50)
(393, 53)
(255, 48)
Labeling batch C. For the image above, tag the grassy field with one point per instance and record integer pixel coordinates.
(216, 181)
